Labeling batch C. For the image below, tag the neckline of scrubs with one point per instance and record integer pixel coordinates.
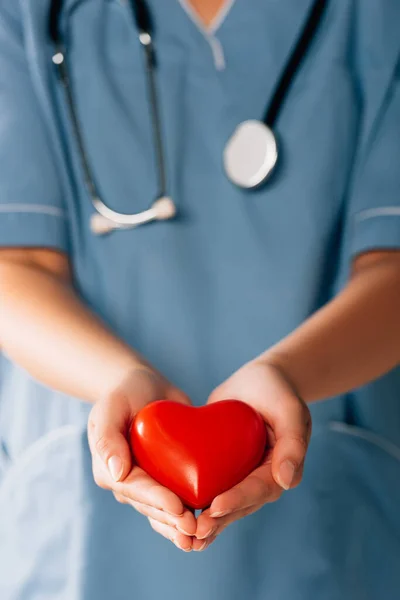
(216, 22)
(209, 32)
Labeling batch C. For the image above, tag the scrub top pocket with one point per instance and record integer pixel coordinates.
(41, 512)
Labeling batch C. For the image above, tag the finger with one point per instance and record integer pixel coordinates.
(257, 489)
(181, 541)
(292, 431)
(101, 474)
(206, 525)
(176, 395)
(186, 524)
(140, 487)
(219, 524)
(106, 434)
(298, 477)
(201, 545)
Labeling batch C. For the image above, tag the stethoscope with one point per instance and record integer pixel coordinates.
(250, 155)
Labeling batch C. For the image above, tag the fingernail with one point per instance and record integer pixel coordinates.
(181, 548)
(173, 514)
(183, 531)
(208, 534)
(222, 513)
(202, 547)
(207, 543)
(287, 472)
(115, 467)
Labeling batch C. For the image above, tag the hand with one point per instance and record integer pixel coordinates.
(108, 427)
(288, 422)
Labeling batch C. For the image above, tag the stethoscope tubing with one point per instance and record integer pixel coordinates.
(293, 65)
(105, 219)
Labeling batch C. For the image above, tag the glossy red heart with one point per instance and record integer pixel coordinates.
(198, 453)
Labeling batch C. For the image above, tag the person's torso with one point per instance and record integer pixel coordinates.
(202, 294)
(236, 270)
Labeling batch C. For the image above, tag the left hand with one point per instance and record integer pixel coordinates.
(288, 421)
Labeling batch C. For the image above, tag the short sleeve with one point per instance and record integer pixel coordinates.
(375, 201)
(32, 213)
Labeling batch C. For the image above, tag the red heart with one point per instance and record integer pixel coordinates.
(198, 453)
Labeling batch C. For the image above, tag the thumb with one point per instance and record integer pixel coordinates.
(107, 438)
(292, 438)
(176, 395)
(222, 392)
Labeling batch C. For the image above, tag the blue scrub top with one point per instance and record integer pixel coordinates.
(203, 294)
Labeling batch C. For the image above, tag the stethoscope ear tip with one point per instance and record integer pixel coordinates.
(100, 225)
(164, 208)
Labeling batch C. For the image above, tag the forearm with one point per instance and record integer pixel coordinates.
(351, 341)
(47, 330)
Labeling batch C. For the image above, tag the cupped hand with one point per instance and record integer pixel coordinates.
(288, 422)
(113, 469)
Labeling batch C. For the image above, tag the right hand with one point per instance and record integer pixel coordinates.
(108, 427)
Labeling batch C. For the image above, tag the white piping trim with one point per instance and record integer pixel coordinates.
(209, 32)
(372, 213)
(53, 211)
(368, 436)
(33, 451)
(218, 52)
(194, 17)
(220, 17)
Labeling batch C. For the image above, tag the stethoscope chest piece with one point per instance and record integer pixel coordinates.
(250, 154)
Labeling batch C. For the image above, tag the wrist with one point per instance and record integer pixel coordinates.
(280, 363)
(123, 375)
